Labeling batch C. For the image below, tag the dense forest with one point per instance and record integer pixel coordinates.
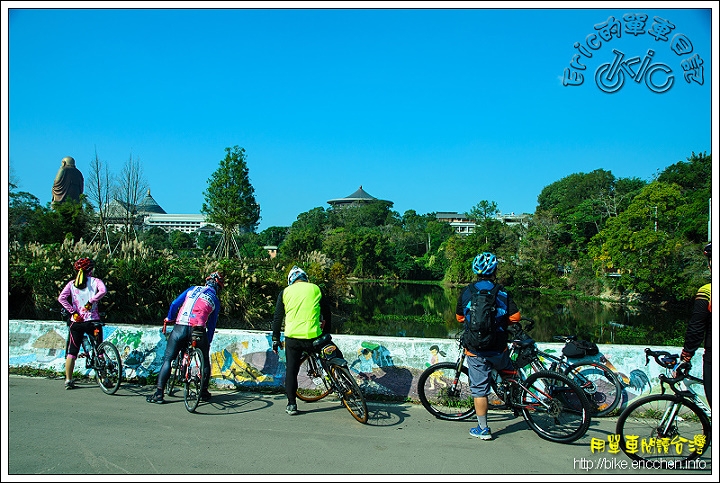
(619, 239)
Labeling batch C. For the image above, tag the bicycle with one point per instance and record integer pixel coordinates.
(552, 405)
(602, 387)
(103, 359)
(187, 369)
(666, 430)
(322, 372)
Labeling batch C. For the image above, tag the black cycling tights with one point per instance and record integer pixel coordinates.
(179, 338)
(294, 349)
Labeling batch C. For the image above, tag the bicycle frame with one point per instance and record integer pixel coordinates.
(323, 364)
(681, 418)
(553, 406)
(104, 359)
(183, 370)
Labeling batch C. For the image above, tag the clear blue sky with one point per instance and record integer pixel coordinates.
(433, 109)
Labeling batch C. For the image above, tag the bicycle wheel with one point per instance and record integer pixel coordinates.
(437, 395)
(601, 386)
(193, 379)
(175, 375)
(312, 383)
(663, 430)
(108, 367)
(350, 393)
(554, 407)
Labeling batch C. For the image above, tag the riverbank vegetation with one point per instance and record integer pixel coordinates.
(592, 235)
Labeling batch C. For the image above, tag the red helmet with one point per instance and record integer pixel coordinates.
(84, 264)
(215, 280)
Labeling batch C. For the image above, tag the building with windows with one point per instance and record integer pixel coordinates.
(148, 214)
(464, 226)
(460, 223)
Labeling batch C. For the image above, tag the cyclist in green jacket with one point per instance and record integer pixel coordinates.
(307, 317)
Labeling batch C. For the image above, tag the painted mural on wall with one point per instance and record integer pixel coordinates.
(240, 359)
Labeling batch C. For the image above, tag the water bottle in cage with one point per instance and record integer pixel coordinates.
(86, 352)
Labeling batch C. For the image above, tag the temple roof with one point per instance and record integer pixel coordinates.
(149, 205)
(358, 196)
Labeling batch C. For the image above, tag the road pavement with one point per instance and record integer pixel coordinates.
(54, 432)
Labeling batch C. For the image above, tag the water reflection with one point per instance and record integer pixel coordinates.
(419, 310)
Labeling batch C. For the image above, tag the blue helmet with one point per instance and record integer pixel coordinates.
(296, 273)
(485, 264)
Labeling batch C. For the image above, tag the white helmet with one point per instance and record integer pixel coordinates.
(295, 274)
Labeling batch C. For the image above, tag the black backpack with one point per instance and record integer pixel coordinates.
(481, 332)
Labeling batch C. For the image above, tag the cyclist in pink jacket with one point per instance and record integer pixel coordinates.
(80, 298)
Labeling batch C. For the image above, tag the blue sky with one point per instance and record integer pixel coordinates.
(434, 109)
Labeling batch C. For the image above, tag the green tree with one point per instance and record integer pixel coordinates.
(644, 244)
(695, 180)
(364, 215)
(273, 236)
(155, 238)
(207, 241)
(23, 210)
(179, 241)
(305, 234)
(230, 199)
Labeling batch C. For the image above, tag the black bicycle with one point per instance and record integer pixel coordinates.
(103, 358)
(601, 386)
(550, 402)
(666, 431)
(322, 372)
(187, 369)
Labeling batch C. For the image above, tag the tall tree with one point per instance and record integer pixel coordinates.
(99, 193)
(132, 186)
(230, 200)
(484, 215)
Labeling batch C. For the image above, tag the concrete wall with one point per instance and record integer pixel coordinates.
(244, 359)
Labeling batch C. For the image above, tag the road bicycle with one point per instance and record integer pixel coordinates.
(666, 430)
(103, 358)
(600, 384)
(322, 371)
(187, 370)
(553, 406)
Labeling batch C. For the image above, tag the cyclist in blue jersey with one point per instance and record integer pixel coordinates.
(195, 310)
(481, 362)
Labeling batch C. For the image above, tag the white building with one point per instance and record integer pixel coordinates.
(148, 214)
(464, 226)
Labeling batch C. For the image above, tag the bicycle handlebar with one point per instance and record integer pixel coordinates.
(669, 361)
(565, 338)
(518, 331)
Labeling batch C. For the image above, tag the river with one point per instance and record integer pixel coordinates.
(427, 310)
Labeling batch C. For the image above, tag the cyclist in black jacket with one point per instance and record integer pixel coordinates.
(699, 330)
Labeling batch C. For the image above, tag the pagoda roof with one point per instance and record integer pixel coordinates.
(149, 205)
(358, 196)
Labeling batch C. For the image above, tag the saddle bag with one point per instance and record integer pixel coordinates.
(577, 349)
(326, 347)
